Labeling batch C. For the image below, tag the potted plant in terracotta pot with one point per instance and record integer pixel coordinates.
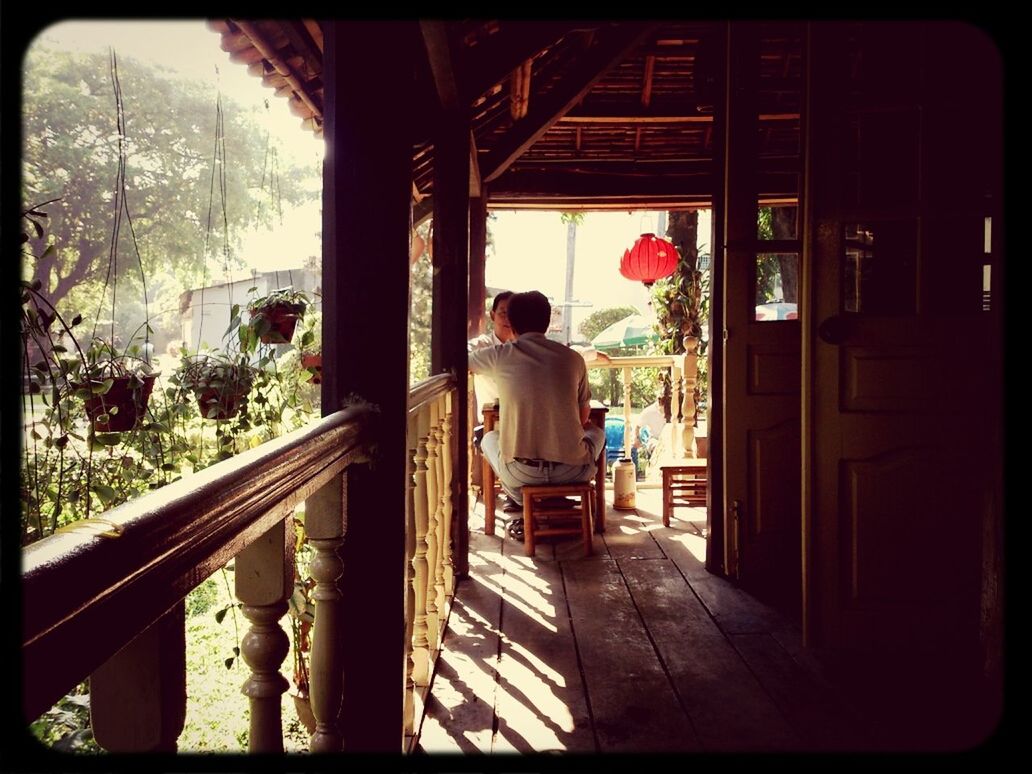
(274, 316)
(115, 387)
(219, 382)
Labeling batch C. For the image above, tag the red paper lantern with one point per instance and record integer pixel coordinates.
(650, 259)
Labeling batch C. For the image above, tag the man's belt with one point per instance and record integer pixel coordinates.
(536, 463)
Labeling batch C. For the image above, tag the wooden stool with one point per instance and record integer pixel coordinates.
(684, 484)
(537, 517)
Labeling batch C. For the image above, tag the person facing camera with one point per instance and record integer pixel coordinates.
(543, 435)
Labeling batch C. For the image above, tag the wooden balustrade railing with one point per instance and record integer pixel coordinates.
(683, 376)
(105, 598)
(431, 572)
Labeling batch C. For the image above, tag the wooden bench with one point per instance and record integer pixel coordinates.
(684, 484)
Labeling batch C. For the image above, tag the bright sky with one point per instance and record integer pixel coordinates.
(529, 247)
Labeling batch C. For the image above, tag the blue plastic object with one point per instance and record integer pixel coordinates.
(614, 441)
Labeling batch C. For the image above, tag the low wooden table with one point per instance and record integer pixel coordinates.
(597, 417)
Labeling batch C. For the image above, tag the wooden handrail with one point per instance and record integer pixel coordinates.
(429, 390)
(637, 361)
(85, 595)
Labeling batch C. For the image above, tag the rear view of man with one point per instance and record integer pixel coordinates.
(543, 435)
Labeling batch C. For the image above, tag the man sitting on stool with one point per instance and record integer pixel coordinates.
(544, 435)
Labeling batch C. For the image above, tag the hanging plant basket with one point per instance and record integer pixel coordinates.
(220, 385)
(282, 320)
(120, 408)
(313, 362)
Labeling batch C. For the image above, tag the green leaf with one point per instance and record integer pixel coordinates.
(168, 466)
(75, 321)
(104, 492)
(102, 388)
(220, 614)
(108, 439)
(229, 662)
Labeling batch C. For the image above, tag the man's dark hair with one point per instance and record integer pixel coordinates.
(499, 298)
(529, 312)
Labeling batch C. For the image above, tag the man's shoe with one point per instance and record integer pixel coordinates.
(515, 529)
(511, 506)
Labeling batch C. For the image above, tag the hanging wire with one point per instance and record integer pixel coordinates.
(121, 206)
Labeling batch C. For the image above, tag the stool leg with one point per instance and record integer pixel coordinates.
(586, 522)
(528, 524)
(667, 498)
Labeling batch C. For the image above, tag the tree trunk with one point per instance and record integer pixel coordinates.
(571, 241)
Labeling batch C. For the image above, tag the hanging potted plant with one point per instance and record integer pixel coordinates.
(219, 382)
(274, 316)
(115, 388)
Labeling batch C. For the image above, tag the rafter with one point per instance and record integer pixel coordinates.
(612, 47)
(439, 55)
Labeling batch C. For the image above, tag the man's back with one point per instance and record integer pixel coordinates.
(542, 385)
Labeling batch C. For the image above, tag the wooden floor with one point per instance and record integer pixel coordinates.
(635, 649)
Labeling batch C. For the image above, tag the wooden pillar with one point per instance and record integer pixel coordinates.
(715, 488)
(264, 580)
(367, 187)
(477, 265)
(138, 696)
(451, 299)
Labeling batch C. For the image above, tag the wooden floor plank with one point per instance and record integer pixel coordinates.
(728, 707)
(541, 706)
(460, 711)
(821, 722)
(632, 702)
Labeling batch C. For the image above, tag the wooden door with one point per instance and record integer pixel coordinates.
(761, 351)
(902, 372)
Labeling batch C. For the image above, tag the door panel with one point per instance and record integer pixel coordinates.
(761, 355)
(903, 378)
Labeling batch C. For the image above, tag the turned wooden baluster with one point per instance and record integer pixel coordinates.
(411, 441)
(421, 563)
(676, 448)
(691, 374)
(440, 599)
(264, 580)
(138, 696)
(325, 525)
(628, 429)
(449, 440)
(433, 620)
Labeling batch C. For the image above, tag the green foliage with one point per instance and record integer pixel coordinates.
(65, 726)
(70, 150)
(420, 312)
(599, 320)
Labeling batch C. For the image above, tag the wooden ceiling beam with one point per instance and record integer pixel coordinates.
(613, 46)
(489, 64)
(657, 117)
(442, 67)
(603, 186)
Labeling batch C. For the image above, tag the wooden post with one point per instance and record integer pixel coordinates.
(627, 429)
(264, 579)
(324, 525)
(477, 265)
(451, 294)
(715, 488)
(676, 449)
(138, 696)
(367, 188)
(443, 538)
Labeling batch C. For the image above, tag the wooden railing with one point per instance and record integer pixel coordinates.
(105, 598)
(428, 542)
(682, 402)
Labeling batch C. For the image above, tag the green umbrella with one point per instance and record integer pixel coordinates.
(632, 331)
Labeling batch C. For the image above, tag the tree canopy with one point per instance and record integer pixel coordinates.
(173, 192)
(598, 321)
